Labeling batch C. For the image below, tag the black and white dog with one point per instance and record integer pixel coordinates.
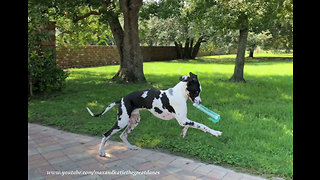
(164, 104)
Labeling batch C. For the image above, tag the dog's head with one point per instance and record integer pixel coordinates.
(193, 87)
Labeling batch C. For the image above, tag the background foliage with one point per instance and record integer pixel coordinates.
(43, 73)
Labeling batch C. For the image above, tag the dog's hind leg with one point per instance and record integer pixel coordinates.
(107, 136)
(133, 122)
(123, 120)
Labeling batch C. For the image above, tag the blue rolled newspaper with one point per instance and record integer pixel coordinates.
(213, 116)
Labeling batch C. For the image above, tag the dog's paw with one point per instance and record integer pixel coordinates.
(217, 133)
(182, 135)
(102, 154)
(133, 147)
(184, 132)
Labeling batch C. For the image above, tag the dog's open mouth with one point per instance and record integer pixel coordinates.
(195, 101)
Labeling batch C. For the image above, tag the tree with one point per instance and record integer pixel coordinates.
(89, 30)
(131, 63)
(127, 40)
(239, 66)
(182, 24)
(245, 16)
(192, 31)
(255, 40)
(281, 27)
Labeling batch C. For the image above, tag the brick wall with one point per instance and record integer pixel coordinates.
(158, 53)
(93, 55)
(87, 56)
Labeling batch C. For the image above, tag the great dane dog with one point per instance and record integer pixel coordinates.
(164, 104)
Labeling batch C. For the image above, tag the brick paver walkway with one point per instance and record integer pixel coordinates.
(55, 154)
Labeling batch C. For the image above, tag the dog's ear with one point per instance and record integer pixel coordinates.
(193, 76)
(184, 78)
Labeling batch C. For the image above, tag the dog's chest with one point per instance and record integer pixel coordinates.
(162, 114)
(160, 110)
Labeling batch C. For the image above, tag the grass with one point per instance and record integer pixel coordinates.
(231, 57)
(256, 117)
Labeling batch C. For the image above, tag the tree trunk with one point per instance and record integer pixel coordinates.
(251, 53)
(190, 49)
(239, 65)
(179, 50)
(127, 40)
(196, 48)
(131, 62)
(186, 49)
(118, 34)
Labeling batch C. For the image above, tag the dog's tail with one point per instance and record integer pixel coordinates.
(107, 109)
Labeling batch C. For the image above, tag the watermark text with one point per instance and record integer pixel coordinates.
(110, 172)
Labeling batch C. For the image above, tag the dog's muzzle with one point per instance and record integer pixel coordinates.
(197, 100)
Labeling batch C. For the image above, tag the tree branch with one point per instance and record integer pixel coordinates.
(78, 18)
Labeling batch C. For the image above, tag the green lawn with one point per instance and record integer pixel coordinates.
(256, 117)
(231, 57)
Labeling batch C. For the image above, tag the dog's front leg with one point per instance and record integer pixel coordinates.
(184, 131)
(188, 123)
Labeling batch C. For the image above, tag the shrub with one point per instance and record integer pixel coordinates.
(102, 42)
(44, 74)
